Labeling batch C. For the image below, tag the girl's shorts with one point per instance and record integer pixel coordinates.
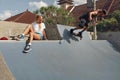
(41, 36)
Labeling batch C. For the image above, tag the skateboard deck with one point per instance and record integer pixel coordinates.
(75, 34)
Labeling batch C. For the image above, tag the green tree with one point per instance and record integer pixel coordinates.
(54, 15)
(112, 23)
(116, 15)
(36, 12)
(107, 25)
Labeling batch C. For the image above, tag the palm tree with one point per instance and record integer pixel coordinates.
(54, 15)
(36, 12)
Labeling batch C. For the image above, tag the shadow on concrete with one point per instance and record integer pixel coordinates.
(67, 36)
(115, 46)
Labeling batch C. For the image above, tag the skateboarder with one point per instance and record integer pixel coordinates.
(86, 18)
(36, 31)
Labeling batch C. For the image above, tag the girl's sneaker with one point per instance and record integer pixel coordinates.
(27, 49)
(20, 37)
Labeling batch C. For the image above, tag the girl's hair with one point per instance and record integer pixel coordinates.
(37, 17)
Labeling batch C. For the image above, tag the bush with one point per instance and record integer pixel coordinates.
(107, 25)
(112, 23)
(116, 15)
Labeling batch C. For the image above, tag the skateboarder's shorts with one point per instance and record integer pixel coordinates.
(83, 23)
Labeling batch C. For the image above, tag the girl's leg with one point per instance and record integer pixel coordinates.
(34, 36)
(28, 30)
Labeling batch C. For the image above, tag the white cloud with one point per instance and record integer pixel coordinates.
(37, 5)
(78, 2)
(56, 4)
(6, 14)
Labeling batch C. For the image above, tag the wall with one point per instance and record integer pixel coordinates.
(8, 29)
(113, 37)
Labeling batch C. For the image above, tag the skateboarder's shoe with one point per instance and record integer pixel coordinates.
(80, 35)
(27, 49)
(20, 37)
(71, 31)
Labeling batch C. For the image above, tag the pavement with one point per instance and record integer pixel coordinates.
(5, 73)
(66, 59)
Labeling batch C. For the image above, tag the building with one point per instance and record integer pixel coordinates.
(28, 17)
(65, 3)
(109, 5)
(24, 17)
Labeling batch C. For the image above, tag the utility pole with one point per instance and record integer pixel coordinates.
(94, 22)
(92, 4)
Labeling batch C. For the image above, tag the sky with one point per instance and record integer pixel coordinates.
(10, 8)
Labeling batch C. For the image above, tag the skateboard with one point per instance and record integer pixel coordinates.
(76, 34)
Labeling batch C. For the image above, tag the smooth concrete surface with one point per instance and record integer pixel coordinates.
(68, 59)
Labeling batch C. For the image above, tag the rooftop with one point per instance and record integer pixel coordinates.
(24, 17)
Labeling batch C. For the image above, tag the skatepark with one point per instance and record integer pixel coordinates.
(66, 59)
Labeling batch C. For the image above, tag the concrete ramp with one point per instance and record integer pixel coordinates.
(65, 34)
(68, 59)
(5, 74)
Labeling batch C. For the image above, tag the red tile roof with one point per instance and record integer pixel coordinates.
(65, 1)
(24, 17)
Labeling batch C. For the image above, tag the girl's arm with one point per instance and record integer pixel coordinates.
(44, 34)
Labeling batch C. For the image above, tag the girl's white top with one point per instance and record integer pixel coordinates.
(38, 28)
